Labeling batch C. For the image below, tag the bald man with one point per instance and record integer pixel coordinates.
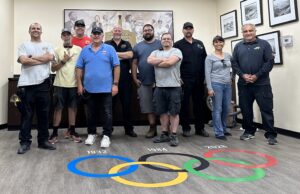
(125, 54)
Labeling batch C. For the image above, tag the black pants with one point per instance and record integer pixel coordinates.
(124, 95)
(264, 98)
(95, 102)
(195, 89)
(34, 98)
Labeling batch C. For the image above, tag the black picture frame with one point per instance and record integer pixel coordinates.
(234, 42)
(282, 12)
(228, 24)
(274, 40)
(251, 12)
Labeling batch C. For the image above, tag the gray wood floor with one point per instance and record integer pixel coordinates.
(41, 171)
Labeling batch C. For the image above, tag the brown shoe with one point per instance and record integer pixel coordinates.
(152, 132)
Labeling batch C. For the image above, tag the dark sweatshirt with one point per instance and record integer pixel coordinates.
(253, 58)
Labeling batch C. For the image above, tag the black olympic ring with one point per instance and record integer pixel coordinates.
(204, 163)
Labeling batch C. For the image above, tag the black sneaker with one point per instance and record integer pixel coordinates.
(23, 149)
(162, 138)
(227, 134)
(202, 132)
(174, 140)
(222, 137)
(130, 133)
(272, 141)
(246, 136)
(46, 145)
(186, 133)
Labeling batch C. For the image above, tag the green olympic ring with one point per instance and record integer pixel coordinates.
(258, 173)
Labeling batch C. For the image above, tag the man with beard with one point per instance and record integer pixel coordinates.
(124, 52)
(65, 86)
(145, 81)
(79, 39)
(34, 88)
(98, 73)
(192, 75)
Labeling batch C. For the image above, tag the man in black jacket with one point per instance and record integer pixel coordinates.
(192, 75)
(252, 61)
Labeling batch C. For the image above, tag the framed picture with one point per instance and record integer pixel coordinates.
(274, 40)
(282, 12)
(234, 42)
(132, 21)
(251, 12)
(228, 22)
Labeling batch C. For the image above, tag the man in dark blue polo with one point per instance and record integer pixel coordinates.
(125, 54)
(252, 62)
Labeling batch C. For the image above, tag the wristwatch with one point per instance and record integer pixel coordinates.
(116, 83)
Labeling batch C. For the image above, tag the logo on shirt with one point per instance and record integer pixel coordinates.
(123, 46)
(257, 48)
(87, 42)
(104, 52)
(199, 46)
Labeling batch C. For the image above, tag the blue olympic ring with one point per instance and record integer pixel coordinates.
(72, 166)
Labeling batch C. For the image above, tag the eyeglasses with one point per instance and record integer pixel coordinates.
(148, 30)
(223, 62)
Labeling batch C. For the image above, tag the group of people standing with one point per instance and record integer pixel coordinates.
(167, 77)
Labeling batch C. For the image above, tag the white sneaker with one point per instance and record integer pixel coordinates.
(90, 139)
(105, 142)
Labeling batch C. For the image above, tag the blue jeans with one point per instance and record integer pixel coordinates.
(221, 106)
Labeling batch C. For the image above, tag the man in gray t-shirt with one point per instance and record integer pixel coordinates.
(167, 94)
(145, 79)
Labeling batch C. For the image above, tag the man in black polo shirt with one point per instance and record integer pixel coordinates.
(252, 61)
(192, 75)
(124, 51)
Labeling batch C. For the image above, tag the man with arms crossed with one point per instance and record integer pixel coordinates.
(167, 94)
(34, 88)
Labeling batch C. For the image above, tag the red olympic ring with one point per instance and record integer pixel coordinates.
(271, 161)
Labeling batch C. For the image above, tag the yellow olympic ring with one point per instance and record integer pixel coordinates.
(182, 176)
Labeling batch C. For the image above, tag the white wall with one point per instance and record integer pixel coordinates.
(50, 14)
(6, 54)
(285, 78)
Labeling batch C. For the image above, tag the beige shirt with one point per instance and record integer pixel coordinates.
(65, 76)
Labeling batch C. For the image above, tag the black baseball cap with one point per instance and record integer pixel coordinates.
(65, 30)
(79, 23)
(188, 25)
(97, 30)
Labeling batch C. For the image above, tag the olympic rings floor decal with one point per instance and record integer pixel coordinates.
(187, 168)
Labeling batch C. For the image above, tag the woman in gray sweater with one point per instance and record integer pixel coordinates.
(218, 80)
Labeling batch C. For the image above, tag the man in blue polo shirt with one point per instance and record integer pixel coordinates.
(98, 73)
(252, 61)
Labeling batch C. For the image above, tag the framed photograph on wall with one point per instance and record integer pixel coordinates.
(132, 21)
(228, 22)
(274, 40)
(251, 12)
(282, 12)
(234, 42)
